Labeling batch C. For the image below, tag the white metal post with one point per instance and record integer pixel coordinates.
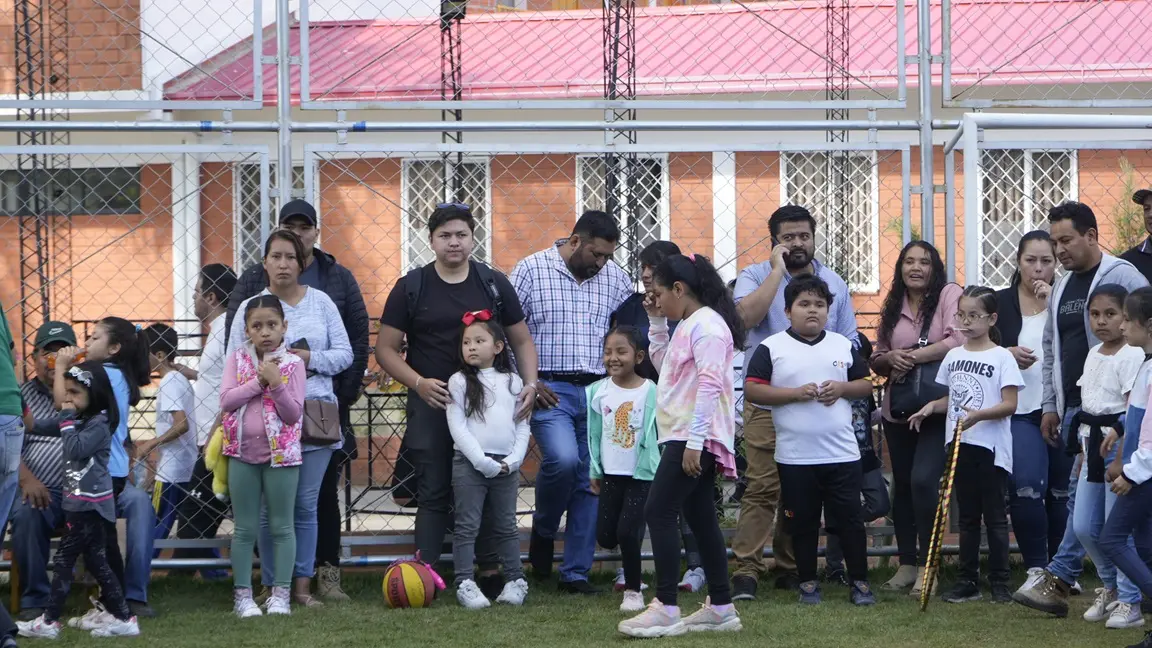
(724, 222)
(283, 104)
(924, 69)
(970, 136)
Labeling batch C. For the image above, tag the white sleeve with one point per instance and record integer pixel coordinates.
(1010, 375)
(1128, 368)
(942, 374)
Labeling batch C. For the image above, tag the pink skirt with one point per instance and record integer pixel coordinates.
(725, 461)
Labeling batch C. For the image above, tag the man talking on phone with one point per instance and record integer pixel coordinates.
(759, 296)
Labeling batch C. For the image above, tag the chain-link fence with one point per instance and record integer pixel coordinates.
(549, 109)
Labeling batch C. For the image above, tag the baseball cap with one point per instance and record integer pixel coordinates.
(55, 332)
(1140, 196)
(298, 208)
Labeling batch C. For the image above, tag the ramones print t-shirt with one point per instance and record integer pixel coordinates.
(974, 380)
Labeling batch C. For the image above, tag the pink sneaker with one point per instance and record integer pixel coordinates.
(653, 622)
(709, 619)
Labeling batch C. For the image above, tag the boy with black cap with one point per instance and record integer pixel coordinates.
(41, 470)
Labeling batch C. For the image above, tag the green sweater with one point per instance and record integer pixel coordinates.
(9, 389)
(648, 451)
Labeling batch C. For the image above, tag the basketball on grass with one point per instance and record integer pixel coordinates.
(409, 584)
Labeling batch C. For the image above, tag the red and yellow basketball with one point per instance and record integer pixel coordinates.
(409, 584)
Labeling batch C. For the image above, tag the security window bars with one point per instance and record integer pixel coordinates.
(430, 182)
(1017, 187)
(647, 212)
(840, 189)
(70, 192)
(248, 248)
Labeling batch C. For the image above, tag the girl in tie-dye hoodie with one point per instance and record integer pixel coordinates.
(697, 431)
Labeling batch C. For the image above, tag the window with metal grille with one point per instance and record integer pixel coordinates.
(247, 246)
(647, 211)
(1017, 187)
(430, 182)
(70, 192)
(840, 188)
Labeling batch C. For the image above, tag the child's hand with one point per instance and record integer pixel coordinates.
(66, 357)
(1108, 443)
(652, 307)
(691, 463)
(971, 417)
(805, 393)
(830, 391)
(1114, 470)
(269, 373)
(916, 419)
(503, 468)
(1121, 486)
(594, 486)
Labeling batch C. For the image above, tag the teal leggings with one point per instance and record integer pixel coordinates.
(250, 484)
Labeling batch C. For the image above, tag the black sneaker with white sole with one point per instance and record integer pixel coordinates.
(963, 592)
(744, 588)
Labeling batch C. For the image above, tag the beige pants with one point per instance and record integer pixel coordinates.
(761, 501)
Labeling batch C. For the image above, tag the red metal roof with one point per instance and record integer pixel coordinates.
(759, 48)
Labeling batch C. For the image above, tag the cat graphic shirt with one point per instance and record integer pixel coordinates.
(975, 380)
(623, 412)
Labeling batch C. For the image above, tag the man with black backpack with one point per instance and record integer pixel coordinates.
(427, 305)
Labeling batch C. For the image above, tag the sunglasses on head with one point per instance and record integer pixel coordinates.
(457, 205)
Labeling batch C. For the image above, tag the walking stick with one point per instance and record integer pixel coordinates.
(937, 540)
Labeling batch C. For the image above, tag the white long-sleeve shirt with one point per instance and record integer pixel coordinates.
(498, 433)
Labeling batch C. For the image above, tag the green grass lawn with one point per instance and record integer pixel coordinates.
(198, 615)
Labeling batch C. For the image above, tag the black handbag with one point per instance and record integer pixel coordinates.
(918, 387)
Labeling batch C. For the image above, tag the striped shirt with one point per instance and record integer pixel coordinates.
(43, 451)
(568, 319)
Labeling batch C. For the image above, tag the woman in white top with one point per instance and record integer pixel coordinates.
(1039, 494)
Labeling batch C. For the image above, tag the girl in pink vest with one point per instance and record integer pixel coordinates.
(262, 397)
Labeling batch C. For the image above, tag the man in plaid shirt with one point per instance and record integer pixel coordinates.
(568, 293)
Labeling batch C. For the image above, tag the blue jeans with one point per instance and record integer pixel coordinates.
(11, 442)
(32, 532)
(1095, 503)
(171, 497)
(1038, 496)
(562, 483)
(1131, 519)
(307, 495)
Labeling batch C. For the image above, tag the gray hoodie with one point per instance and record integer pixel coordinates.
(1112, 271)
(87, 483)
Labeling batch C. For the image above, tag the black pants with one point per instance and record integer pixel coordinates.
(200, 514)
(981, 493)
(917, 463)
(691, 549)
(806, 491)
(620, 522)
(328, 517)
(674, 491)
(112, 546)
(86, 534)
(7, 625)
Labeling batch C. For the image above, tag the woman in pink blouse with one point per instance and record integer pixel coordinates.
(920, 293)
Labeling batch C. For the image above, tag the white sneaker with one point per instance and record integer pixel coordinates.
(1099, 608)
(514, 592)
(118, 628)
(709, 619)
(1124, 615)
(244, 606)
(633, 601)
(470, 596)
(619, 585)
(38, 628)
(279, 602)
(693, 581)
(1035, 575)
(654, 621)
(97, 617)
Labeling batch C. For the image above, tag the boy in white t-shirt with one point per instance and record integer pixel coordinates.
(808, 375)
(175, 429)
(983, 381)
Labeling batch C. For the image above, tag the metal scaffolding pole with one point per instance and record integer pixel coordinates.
(837, 163)
(451, 89)
(620, 169)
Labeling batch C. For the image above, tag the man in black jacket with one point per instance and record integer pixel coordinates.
(322, 272)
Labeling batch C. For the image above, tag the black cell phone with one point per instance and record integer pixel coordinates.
(301, 344)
